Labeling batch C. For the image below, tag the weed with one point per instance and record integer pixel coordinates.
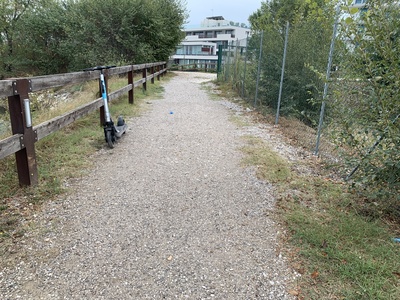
(270, 166)
(239, 121)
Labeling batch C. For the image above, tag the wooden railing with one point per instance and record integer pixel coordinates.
(24, 136)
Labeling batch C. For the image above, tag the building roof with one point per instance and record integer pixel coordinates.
(217, 18)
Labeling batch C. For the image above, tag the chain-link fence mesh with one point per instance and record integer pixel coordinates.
(338, 102)
(253, 67)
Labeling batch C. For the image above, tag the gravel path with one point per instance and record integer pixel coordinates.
(169, 213)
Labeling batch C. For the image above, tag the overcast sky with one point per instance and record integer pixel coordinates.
(232, 10)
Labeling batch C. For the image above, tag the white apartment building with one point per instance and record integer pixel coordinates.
(200, 45)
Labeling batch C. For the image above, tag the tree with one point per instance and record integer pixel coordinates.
(11, 12)
(40, 36)
(51, 36)
(124, 31)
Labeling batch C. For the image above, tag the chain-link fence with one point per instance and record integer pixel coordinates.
(281, 72)
(337, 102)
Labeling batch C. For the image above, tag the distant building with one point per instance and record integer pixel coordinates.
(200, 46)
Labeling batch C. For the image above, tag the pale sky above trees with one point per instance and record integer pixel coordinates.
(232, 10)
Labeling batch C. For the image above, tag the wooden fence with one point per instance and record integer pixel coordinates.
(24, 137)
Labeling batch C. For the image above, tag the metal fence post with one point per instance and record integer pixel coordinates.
(21, 123)
(227, 62)
(219, 61)
(236, 63)
(259, 68)
(282, 74)
(245, 64)
(328, 76)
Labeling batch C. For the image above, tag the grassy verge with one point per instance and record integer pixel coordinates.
(340, 253)
(62, 155)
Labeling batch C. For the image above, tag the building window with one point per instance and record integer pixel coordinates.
(206, 50)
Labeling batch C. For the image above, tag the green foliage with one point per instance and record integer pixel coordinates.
(368, 99)
(39, 40)
(363, 101)
(11, 12)
(52, 36)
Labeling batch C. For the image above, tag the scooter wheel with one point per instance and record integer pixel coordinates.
(110, 139)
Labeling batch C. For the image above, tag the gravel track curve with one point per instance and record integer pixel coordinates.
(169, 213)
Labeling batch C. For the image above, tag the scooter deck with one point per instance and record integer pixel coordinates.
(120, 130)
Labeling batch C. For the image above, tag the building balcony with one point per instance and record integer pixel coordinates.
(218, 37)
(195, 56)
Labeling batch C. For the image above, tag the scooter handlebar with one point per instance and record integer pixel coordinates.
(99, 68)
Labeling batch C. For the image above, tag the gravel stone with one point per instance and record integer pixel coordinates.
(169, 213)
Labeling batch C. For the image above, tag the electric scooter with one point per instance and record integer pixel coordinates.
(112, 132)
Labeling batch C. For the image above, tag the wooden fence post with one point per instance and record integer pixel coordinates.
(21, 123)
(152, 73)
(144, 72)
(131, 95)
(158, 71)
